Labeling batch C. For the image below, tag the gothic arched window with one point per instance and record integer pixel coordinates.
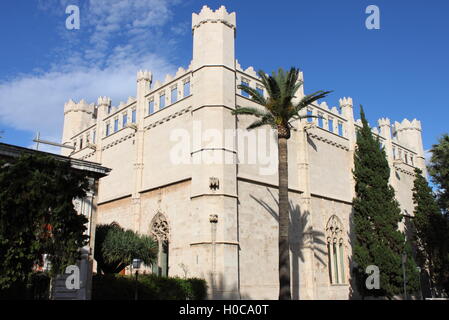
(335, 249)
(160, 230)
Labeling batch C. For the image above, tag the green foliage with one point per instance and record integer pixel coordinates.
(439, 171)
(376, 216)
(150, 287)
(279, 109)
(115, 248)
(37, 288)
(432, 234)
(37, 216)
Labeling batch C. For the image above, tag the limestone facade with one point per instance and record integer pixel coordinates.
(177, 152)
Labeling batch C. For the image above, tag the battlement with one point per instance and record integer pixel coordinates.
(407, 125)
(170, 78)
(82, 106)
(208, 15)
(383, 122)
(346, 102)
(144, 75)
(330, 110)
(104, 101)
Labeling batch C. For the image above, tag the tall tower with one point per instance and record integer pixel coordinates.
(214, 169)
(77, 116)
(409, 134)
(103, 106)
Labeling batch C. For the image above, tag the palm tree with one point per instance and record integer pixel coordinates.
(279, 110)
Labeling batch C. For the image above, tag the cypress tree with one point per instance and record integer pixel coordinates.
(431, 234)
(377, 214)
(439, 171)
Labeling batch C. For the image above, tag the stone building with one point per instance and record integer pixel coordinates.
(188, 172)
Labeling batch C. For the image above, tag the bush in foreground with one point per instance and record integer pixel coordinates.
(149, 286)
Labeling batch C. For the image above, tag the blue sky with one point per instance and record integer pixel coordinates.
(400, 71)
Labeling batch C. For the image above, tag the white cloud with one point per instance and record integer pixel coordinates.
(117, 38)
(35, 102)
(427, 156)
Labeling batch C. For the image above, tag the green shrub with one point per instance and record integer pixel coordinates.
(149, 286)
(37, 289)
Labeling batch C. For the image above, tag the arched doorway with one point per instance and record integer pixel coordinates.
(160, 230)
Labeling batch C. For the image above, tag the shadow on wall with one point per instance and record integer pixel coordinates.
(353, 291)
(300, 231)
(219, 290)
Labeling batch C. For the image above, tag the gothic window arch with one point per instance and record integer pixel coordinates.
(160, 230)
(335, 249)
(115, 224)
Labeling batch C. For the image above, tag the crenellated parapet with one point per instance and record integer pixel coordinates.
(104, 101)
(383, 122)
(407, 125)
(170, 78)
(208, 15)
(408, 133)
(347, 108)
(144, 75)
(82, 106)
(346, 102)
(385, 128)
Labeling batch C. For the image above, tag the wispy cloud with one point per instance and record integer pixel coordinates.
(427, 156)
(116, 39)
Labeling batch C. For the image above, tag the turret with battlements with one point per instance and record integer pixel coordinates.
(77, 116)
(213, 37)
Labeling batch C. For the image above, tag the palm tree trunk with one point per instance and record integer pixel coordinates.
(284, 220)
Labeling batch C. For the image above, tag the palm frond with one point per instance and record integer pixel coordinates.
(249, 111)
(254, 94)
(260, 123)
(311, 98)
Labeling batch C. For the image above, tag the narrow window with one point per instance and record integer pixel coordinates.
(406, 157)
(342, 263)
(133, 116)
(94, 136)
(320, 120)
(107, 129)
(115, 124)
(109, 108)
(151, 107)
(340, 129)
(334, 252)
(162, 101)
(87, 138)
(309, 114)
(336, 262)
(245, 83)
(74, 144)
(394, 153)
(81, 143)
(330, 123)
(411, 160)
(174, 95)
(124, 120)
(186, 88)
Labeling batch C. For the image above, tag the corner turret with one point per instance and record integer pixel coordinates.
(77, 116)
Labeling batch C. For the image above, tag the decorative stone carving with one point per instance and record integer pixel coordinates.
(159, 227)
(214, 183)
(213, 218)
(334, 230)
